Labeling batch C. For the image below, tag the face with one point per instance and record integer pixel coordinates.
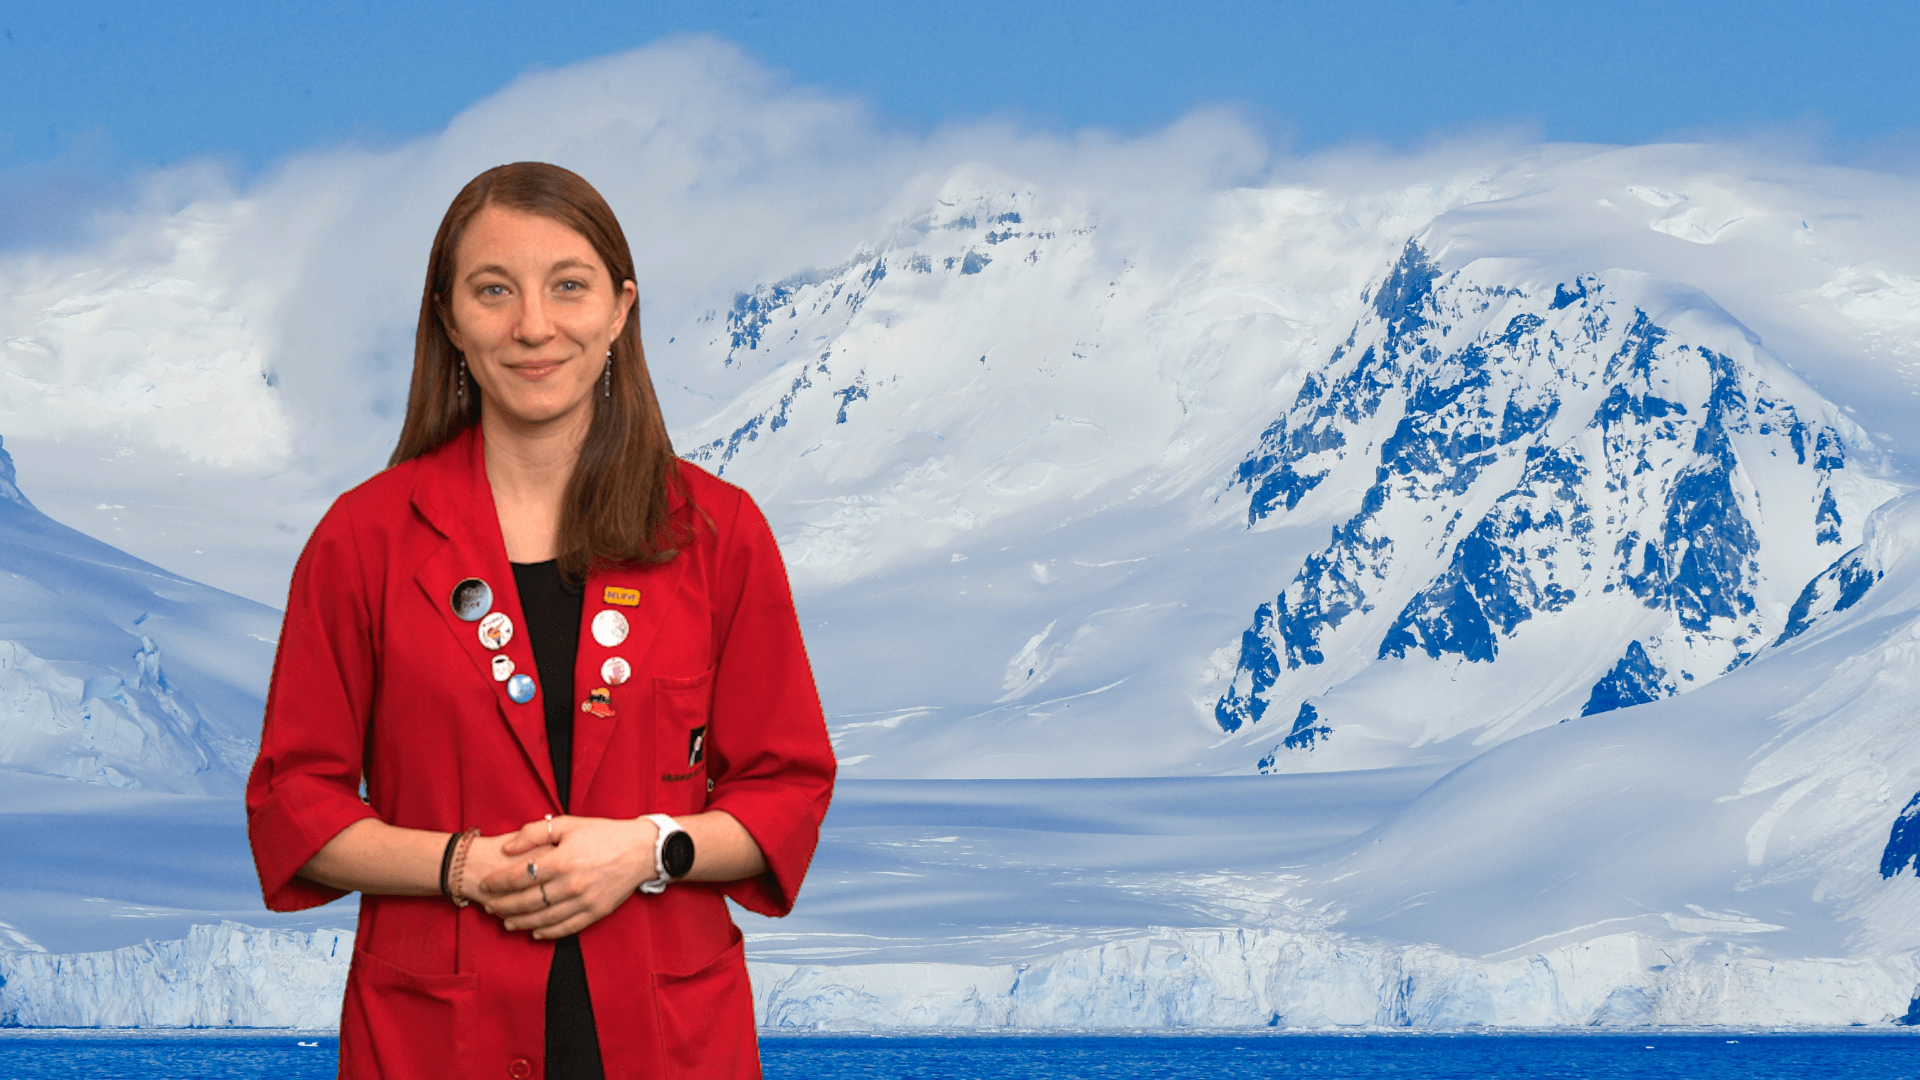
(534, 310)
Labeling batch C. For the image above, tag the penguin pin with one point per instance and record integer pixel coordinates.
(599, 702)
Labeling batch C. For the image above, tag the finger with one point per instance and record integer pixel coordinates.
(513, 877)
(519, 902)
(514, 874)
(525, 901)
(545, 916)
(571, 925)
(531, 835)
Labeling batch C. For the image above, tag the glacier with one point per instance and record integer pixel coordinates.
(1276, 979)
(223, 975)
(235, 976)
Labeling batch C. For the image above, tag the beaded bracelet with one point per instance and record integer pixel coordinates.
(457, 845)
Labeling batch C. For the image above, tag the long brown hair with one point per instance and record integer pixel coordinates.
(617, 503)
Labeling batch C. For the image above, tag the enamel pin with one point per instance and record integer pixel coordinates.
(599, 702)
(520, 689)
(496, 630)
(471, 599)
(609, 628)
(615, 671)
(502, 667)
(614, 594)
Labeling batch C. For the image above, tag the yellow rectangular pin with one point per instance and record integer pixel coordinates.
(623, 597)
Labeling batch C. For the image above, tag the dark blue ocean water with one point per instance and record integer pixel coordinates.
(1888, 1056)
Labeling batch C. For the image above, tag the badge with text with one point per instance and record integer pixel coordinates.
(496, 630)
(609, 628)
(696, 745)
(471, 599)
(502, 668)
(520, 689)
(614, 594)
(599, 702)
(615, 671)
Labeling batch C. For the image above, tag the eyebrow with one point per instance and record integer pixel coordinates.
(563, 264)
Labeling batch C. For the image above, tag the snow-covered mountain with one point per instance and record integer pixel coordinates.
(130, 704)
(1054, 509)
(1563, 500)
(1761, 814)
(1364, 489)
(117, 672)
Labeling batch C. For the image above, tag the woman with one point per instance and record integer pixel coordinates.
(563, 665)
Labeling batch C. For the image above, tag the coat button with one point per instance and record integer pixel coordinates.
(520, 1069)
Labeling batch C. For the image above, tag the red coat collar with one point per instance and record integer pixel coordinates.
(451, 480)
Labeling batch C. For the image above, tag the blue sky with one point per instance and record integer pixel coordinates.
(99, 92)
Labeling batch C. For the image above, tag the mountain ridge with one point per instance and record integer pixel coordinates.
(1593, 395)
(1533, 421)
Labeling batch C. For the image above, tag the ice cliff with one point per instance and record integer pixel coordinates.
(1242, 978)
(218, 976)
(235, 976)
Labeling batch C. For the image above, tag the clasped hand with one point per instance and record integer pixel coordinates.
(589, 868)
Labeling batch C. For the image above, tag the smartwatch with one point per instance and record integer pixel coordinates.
(672, 854)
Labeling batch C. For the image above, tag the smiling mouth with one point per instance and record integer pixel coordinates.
(535, 369)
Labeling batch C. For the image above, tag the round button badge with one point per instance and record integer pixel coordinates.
(520, 689)
(615, 671)
(496, 630)
(471, 599)
(609, 628)
(502, 667)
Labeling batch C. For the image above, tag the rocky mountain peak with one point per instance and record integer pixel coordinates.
(1508, 461)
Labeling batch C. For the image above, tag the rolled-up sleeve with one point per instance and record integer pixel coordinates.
(305, 785)
(775, 764)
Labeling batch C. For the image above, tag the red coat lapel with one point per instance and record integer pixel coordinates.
(452, 493)
(658, 603)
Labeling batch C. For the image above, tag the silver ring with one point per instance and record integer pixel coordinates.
(544, 902)
(533, 872)
(549, 828)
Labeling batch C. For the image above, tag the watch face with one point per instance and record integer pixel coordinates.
(677, 855)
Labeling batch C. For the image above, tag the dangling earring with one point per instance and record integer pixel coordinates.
(607, 379)
(463, 380)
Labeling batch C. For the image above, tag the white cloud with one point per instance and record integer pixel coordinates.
(270, 328)
(723, 175)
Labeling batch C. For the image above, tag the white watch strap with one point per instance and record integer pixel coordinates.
(665, 827)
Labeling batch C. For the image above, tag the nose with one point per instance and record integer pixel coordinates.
(534, 327)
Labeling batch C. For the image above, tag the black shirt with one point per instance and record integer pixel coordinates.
(552, 612)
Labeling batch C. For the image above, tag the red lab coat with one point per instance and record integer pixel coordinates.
(376, 674)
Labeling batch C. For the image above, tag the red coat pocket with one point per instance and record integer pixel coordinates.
(706, 1018)
(401, 1025)
(682, 710)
